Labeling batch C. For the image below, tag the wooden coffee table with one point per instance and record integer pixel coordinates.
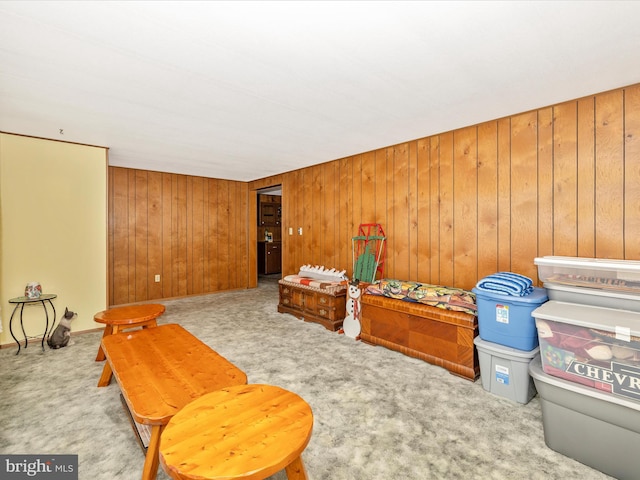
(241, 432)
(160, 370)
(118, 319)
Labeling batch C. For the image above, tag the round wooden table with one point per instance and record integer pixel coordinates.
(118, 319)
(245, 431)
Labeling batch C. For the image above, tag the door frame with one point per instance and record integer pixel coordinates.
(253, 227)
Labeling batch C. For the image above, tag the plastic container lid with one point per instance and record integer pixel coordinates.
(539, 295)
(591, 291)
(503, 350)
(590, 263)
(623, 323)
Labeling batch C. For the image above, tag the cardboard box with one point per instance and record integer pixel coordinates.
(592, 427)
(594, 346)
(507, 320)
(504, 371)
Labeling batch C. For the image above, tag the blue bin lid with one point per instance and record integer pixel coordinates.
(539, 295)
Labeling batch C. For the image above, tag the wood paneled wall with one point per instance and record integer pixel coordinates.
(560, 180)
(192, 231)
(457, 206)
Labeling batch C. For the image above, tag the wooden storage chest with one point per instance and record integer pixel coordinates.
(437, 336)
(324, 306)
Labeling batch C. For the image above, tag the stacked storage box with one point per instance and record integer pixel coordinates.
(588, 376)
(504, 370)
(507, 340)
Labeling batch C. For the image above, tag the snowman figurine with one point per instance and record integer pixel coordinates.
(351, 323)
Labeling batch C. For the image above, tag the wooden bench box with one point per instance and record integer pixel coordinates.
(326, 307)
(437, 336)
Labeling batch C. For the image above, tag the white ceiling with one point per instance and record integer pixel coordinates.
(243, 90)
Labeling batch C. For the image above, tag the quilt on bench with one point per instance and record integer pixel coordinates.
(447, 298)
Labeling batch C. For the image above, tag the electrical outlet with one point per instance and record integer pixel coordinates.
(299, 230)
(157, 278)
(290, 230)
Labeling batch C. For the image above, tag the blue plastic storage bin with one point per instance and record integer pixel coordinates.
(506, 319)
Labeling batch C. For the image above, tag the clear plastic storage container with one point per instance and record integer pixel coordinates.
(615, 275)
(589, 426)
(594, 346)
(593, 296)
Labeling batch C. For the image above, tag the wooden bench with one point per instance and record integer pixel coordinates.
(119, 319)
(159, 371)
(437, 336)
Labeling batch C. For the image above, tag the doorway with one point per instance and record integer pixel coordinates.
(269, 234)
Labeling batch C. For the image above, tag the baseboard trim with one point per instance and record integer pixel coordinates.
(39, 339)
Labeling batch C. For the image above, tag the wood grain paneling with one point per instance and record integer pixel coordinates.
(388, 212)
(423, 210)
(460, 205)
(586, 178)
(523, 199)
(399, 229)
(368, 193)
(565, 179)
(154, 224)
(344, 217)
(314, 231)
(330, 211)
(545, 182)
(632, 172)
(192, 231)
(504, 194)
(456, 206)
(465, 206)
(380, 201)
(412, 208)
(446, 225)
(434, 210)
(487, 199)
(609, 186)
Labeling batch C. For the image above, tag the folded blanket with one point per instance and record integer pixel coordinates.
(314, 283)
(507, 283)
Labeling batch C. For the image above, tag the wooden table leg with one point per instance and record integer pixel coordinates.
(149, 323)
(107, 331)
(105, 378)
(295, 470)
(151, 461)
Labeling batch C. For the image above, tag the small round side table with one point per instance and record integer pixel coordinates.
(241, 432)
(118, 319)
(20, 302)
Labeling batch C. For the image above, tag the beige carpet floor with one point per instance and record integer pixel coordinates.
(377, 414)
